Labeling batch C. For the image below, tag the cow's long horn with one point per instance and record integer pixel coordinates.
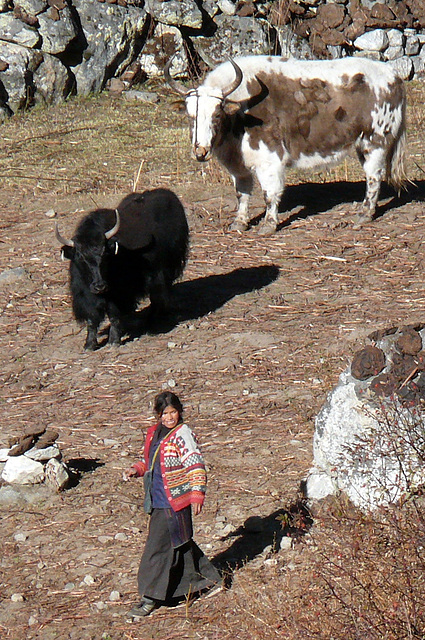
(114, 230)
(236, 82)
(177, 86)
(61, 239)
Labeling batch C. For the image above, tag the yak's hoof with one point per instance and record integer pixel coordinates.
(360, 219)
(238, 225)
(267, 228)
(91, 345)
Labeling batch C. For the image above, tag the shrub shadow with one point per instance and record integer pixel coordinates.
(257, 534)
(197, 298)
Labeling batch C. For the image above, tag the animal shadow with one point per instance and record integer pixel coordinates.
(303, 200)
(258, 533)
(194, 299)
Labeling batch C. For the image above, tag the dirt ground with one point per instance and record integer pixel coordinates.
(260, 331)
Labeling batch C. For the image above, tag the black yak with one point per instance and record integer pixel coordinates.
(120, 256)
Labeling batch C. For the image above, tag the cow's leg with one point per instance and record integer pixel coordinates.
(271, 176)
(244, 186)
(373, 161)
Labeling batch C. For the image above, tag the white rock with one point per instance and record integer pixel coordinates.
(51, 213)
(114, 596)
(42, 455)
(88, 580)
(121, 537)
(286, 543)
(227, 7)
(376, 40)
(22, 470)
(3, 455)
(20, 537)
(17, 597)
(395, 38)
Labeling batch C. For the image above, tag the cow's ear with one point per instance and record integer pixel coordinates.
(230, 108)
(67, 252)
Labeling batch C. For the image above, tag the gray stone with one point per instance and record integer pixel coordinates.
(13, 275)
(395, 38)
(376, 40)
(418, 65)
(175, 12)
(23, 62)
(412, 46)
(17, 32)
(153, 57)
(291, 45)
(235, 36)
(33, 7)
(42, 455)
(57, 34)
(57, 474)
(403, 67)
(23, 470)
(393, 52)
(112, 33)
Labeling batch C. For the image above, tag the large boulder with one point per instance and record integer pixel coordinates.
(369, 440)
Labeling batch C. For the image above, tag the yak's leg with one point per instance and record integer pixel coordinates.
(271, 176)
(159, 294)
(115, 330)
(373, 161)
(91, 339)
(244, 186)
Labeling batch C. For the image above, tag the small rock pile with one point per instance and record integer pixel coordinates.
(34, 458)
(397, 370)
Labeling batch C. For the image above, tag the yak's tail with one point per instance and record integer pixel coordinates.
(396, 167)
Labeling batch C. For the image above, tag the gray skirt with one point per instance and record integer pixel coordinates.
(166, 572)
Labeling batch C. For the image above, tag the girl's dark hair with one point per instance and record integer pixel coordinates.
(167, 399)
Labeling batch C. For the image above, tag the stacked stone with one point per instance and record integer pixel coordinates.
(33, 458)
(50, 49)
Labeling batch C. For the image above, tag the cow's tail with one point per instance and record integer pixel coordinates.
(396, 167)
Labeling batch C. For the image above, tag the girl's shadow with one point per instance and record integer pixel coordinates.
(257, 533)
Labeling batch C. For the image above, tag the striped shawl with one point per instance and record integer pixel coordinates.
(182, 467)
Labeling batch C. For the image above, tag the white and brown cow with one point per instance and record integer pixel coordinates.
(263, 114)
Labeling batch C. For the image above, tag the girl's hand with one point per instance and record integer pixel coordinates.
(196, 508)
(129, 473)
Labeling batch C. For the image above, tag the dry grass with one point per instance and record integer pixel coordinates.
(350, 577)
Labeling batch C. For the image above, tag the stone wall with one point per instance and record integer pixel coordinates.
(51, 49)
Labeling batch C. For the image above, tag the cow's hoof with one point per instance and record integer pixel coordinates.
(267, 228)
(238, 225)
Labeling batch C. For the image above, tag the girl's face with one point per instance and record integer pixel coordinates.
(170, 417)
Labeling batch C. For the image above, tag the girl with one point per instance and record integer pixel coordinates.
(172, 565)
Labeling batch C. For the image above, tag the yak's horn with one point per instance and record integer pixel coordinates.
(61, 239)
(177, 86)
(114, 230)
(236, 82)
